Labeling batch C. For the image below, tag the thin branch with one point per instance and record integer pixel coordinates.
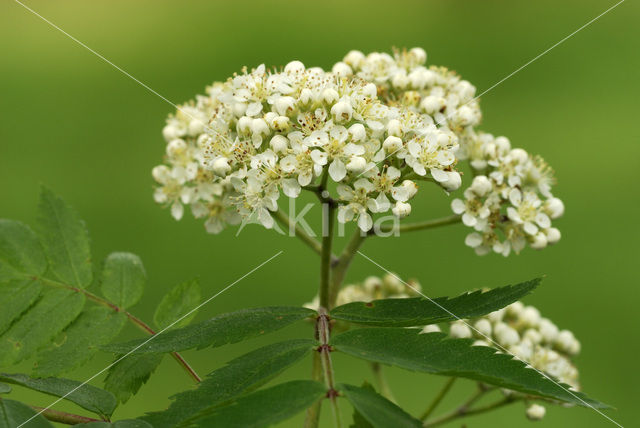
(340, 268)
(63, 417)
(421, 225)
(443, 392)
(134, 320)
(381, 380)
(298, 231)
(464, 411)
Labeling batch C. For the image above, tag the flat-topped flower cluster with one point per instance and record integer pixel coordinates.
(369, 130)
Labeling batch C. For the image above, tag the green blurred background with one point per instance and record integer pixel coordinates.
(73, 122)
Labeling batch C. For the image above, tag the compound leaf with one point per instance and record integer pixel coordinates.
(16, 297)
(20, 251)
(123, 279)
(377, 410)
(181, 300)
(14, 413)
(88, 397)
(265, 407)
(94, 327)
(224, 329)
(56, 309)
(127, 376)
(420, 311)
(65, 240)
(239, 376)
(435, 353)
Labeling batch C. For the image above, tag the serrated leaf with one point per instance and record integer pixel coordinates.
(420, 311)
(239, 376)
(20, 251)
(125, 378)
(56, 309)
(4, 388)
(123, 279)
(377, 410)
(224, 329)
(88, 397)
(437, 354)
(65, 240)
(94, 327)
(265, 407)
(126, 423)
(16, 297)
(359, 421)
(14, 413)
(181, 300)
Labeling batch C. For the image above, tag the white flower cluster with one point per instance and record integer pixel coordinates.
(509, 202)
(230, 153)
(373, 288)
(374, 125)
(524, 333)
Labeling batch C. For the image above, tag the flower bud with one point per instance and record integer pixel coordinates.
(401, 209)
(358, 132)
(539, 241)
(244, 124)
(279, 143)
(483, 326)
(196, 127)
(394, 127)
(392, 144)
(460, 330)
(453, 182)
(176, 148)
(161, 173)
(284, 105)
(481, 185)
(419, 54)
(553, 235)
(330, 96)
(221, 166)
(554, 207)
(259, 126)
(505, 335)
(294, 67)
(431, 328)
(356, 164)
(342, 111)
(341, 69)
(535, 412)
(354, 58)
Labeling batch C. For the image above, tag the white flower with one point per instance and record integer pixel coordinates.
(401, 209)
(359, 203)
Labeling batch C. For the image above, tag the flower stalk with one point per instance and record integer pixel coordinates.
(63, 417)
(436, 401)
(323, 331)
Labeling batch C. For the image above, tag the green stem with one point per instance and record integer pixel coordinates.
(421, 225)
(298, 231)
(313, 412)
(134, 320)
(325, 256)
(323, 332)
(463, 411)
(443, 392)
(381, 380)
(340, 268)
(63, 417)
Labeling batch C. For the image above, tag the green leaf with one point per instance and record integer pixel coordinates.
(421, 311)
(125, 378)
(221, 330)
(65, 240)
(4, 388)
(265, 407)
(80, 341)
(126, 423)
(88, 397)
(240, 375)
(435, 353)
(377, 410)
(182, 299)
(14, 413)
(16, 297)
(37, 328)
(20, 251)
(123, 279)
(359, 421)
